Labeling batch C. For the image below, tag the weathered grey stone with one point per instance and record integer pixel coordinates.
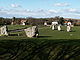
(31, 31)
(68, 28)
(54, 25)
(59, 27)
(3, 31)
(69, 25)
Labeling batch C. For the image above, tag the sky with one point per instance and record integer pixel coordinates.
(40, 8)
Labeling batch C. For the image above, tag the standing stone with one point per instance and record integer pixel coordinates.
(68, 28)
(53, 27)
(59, 27)
(3, 31)
(31, 31)
(45, 23)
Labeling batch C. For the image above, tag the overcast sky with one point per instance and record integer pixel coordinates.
(40, 8)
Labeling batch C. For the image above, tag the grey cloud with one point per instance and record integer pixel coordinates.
(61, 4)
(39, 13)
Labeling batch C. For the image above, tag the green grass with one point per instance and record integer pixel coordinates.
(13, 27)
(38, 49)
(50, 45)
(50, 34)
(44, 33)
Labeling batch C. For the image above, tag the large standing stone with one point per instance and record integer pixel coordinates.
(3, 31)
(54, 25)
(69, 26)
(59, 27)
(32, 31)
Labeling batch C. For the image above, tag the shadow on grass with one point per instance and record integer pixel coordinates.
(73, 31)
(42, 50)
(43, 36)
(13, 34)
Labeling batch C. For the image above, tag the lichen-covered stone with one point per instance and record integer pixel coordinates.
(3, 31)
(31, 31)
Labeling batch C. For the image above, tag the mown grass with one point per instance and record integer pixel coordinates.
(44, 33)
(38, 49)
(50, 45)
(14, 27)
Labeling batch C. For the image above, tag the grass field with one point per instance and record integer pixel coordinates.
(50, 45)
(49, 34)
(44, 33)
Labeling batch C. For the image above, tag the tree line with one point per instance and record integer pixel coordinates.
(31, 21)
